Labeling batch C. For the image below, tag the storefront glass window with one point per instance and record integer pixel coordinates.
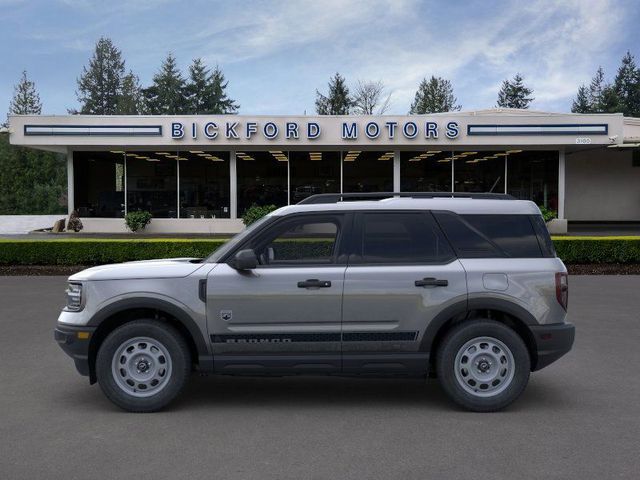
(314, 172)
(365, 171)
(533, 175)
(204, 184)
(262, 179)
(152, 183)
(479, 171)
(99, 184)
(425, 171)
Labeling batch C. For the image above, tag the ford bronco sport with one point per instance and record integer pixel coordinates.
(464, 287)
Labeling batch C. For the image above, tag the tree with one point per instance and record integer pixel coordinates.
(599, 97)
(581, 104)
(596, 89)
(222, 103)
(206, 92)
(627, 86)
(514, 93)
(99, 86)
(130, 100)
(609, 101)
(197, 89)
(337, 101)
(26, 100)
(167, 96)
(434, 95)
(31, 181)
(370, 98)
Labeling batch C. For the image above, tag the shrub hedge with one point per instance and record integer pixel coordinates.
(598, 249)
(100, 251)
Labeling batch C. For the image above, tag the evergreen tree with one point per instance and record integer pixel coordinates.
(514, 93)
(434, 95)
(130, 100)
(337, 101)
(100, 84)
(166, 96)
(206, 92)
(581, 103)
(627, 86)
(596, 88)
(26, 100)
(222, 103)
(609, 101)
(197, 89)
(31, 181)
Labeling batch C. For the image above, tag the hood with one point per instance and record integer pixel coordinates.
(165, 268)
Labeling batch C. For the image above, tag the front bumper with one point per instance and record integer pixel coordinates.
(552, 342)
(75, 343)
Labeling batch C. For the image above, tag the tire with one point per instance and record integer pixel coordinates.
(143, 365)
(483, 365)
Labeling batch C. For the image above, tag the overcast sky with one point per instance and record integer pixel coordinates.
(276, 53)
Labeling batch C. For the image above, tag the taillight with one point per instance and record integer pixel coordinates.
(562, 289)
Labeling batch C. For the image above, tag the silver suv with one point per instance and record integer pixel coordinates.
(463, 287)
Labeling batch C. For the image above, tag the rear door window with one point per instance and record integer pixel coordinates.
(401, 238)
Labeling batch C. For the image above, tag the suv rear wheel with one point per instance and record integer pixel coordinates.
(143, 365)
(483, 365)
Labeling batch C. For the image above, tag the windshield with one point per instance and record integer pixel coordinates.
(236, 240)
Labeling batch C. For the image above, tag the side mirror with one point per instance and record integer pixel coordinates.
(245, 260)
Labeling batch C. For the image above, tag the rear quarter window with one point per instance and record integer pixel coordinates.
(491, 236)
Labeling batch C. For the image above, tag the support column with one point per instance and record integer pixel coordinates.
(125, 185)
(396, 170)
(561, 183)
(506, 172)
(178, 187)
(341, 171)
(70, 193)
(453, 173)
(288, 179)
(559, 225)
(233, 186)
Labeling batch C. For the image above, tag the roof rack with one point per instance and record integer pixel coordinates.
(340, 197)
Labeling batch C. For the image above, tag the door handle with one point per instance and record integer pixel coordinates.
(314, 283)
(431, 282)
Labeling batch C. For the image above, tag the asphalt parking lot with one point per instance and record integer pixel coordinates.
(579, 418)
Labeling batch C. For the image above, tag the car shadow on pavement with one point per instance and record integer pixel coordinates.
(313, 392)
(308, 392)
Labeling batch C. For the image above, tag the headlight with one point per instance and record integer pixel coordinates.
(74, 297)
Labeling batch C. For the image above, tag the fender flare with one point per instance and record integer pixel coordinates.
(156, 304)
(464, 307)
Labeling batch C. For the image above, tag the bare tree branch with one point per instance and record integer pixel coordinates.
(370, 97)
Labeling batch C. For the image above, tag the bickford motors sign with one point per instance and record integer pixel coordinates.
(290, 130)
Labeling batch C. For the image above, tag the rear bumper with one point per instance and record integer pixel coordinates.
(75, 343)
(552, 342)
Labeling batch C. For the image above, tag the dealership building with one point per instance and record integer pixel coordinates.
(200, 173)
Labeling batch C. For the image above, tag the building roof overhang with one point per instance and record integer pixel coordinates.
(477, 128)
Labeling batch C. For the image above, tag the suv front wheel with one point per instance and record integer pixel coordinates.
(143, 365)
(483, 365)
